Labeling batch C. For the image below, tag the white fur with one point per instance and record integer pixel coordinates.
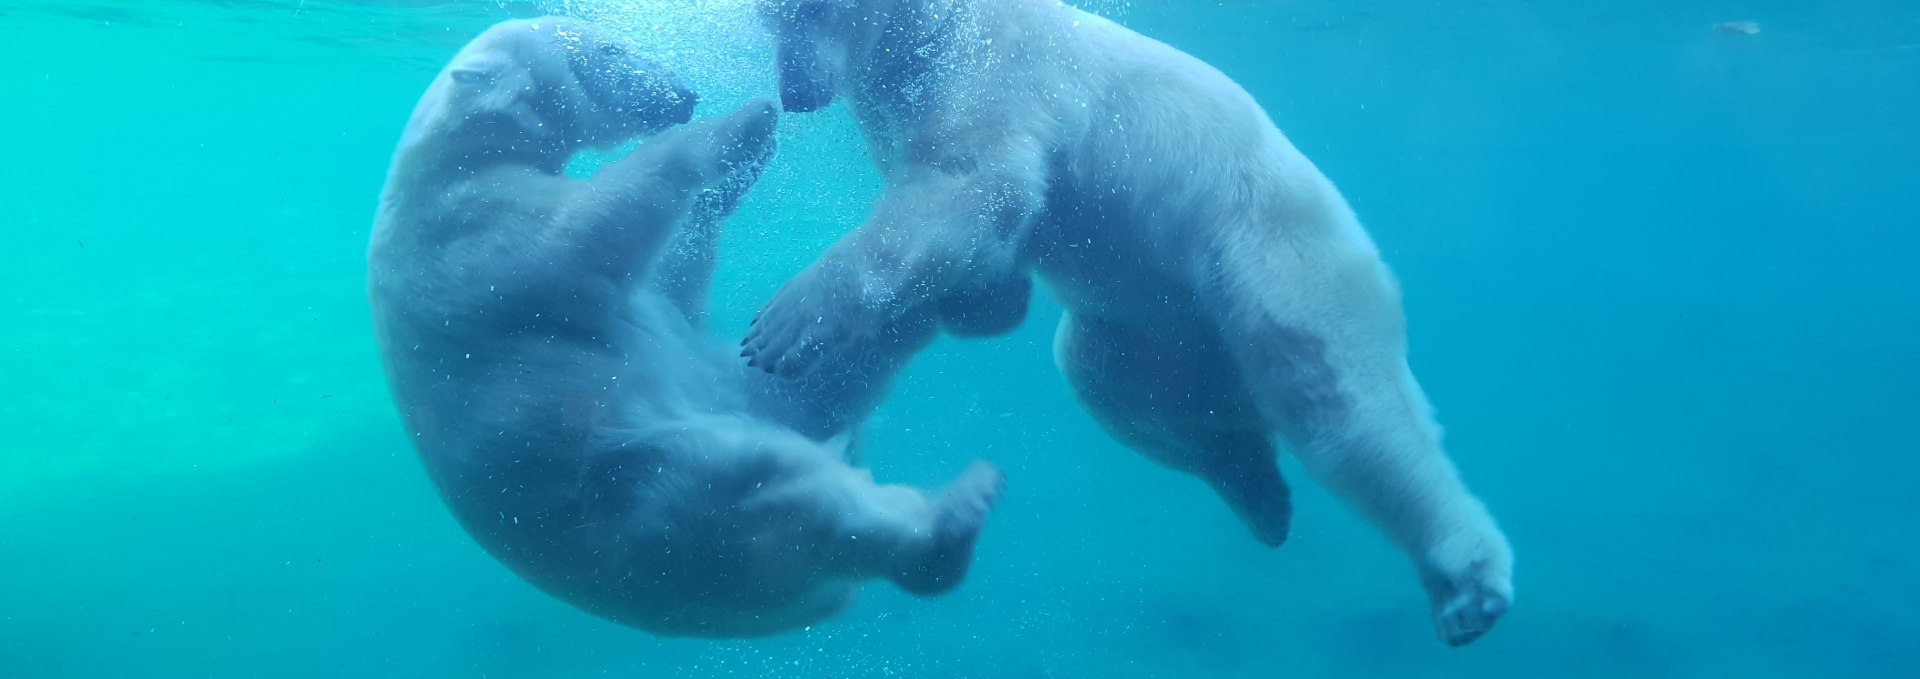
(543, 344)
(1221, 296)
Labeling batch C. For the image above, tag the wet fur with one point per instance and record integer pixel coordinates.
(543, 338)
(1222, 299)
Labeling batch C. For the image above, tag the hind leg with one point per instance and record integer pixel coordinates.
(854, 527)
(1171, 396)
(1320, 344)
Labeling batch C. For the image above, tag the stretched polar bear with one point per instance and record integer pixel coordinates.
(542, 340)
(1221, 296)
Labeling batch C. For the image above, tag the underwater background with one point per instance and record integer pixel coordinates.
(1659, 272)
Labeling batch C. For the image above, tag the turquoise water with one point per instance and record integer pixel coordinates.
(1658, 283)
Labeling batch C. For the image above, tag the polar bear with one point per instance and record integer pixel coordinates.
(1222, 299)
(542, 340)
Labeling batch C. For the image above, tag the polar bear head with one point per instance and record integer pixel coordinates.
(811, 44)
(552, 86)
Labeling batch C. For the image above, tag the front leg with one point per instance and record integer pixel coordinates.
(684, 273)
(933, 233)
(620, 218)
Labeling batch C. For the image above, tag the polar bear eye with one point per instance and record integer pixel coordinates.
(471, 76)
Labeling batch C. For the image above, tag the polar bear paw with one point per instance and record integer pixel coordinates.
(1468, 601)
(807, 319)
(961, 512)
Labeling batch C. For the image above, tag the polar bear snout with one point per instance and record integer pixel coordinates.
(806, 83)
(633, 92)
(809, 47)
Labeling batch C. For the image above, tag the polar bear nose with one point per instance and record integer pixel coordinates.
(684, 101)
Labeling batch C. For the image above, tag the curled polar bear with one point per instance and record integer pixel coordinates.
(542, 341)
(1221, 296)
